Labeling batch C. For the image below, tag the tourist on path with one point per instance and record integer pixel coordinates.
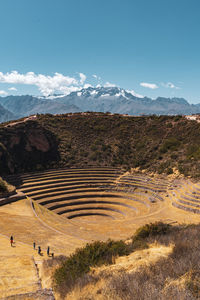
(48, 250)
(11, 240)
(39, 250)
(34, 245)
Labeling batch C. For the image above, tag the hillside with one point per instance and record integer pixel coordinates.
(163, 261)
(162, 144)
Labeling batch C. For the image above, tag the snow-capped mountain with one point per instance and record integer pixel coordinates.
(117, 100)
(100, 99)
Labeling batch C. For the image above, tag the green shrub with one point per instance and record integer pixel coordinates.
(183, 169)
(169, 144)
(169, 171)
(193, 152)
(163, 167)
(139, 244)
(177, 118)
(152, 229)
(79, 263)
(98, 253)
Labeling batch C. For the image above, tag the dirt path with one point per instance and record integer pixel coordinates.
(19, 122)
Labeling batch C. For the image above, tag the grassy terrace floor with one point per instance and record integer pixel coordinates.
(152, 199)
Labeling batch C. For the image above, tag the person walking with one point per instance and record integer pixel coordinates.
(48, 250)
(34, 245)
(39, 250)
(11, 240)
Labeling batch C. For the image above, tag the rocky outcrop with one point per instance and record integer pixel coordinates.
(25, 147)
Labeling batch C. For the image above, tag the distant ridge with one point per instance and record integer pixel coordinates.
(6, 115)
(22, 106)
(99, 99)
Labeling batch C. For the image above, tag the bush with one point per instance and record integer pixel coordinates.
(177, 118)
(79, 263)
(169, 171)
(170, 144)
(193, 152)
(172, 276)
(75, 267)
(163, 167)
(183, 169)
(152, 229)
(3, 186)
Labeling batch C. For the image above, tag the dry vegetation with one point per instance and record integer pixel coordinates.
(154, 143)
(172, 276)
(5, 187)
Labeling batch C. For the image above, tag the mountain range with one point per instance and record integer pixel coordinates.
(100, 99)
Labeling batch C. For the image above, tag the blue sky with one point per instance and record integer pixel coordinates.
(151, 47)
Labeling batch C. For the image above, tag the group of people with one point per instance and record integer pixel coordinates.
(40, 250)
(34, 247)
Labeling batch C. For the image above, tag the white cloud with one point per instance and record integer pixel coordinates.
(82, 78)
(3, 93)
(47, 85)
(132, 92)
(96, 77)
(152, 86)
(108, 84)
(66, 90)
(170, 85)
(12, 89)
